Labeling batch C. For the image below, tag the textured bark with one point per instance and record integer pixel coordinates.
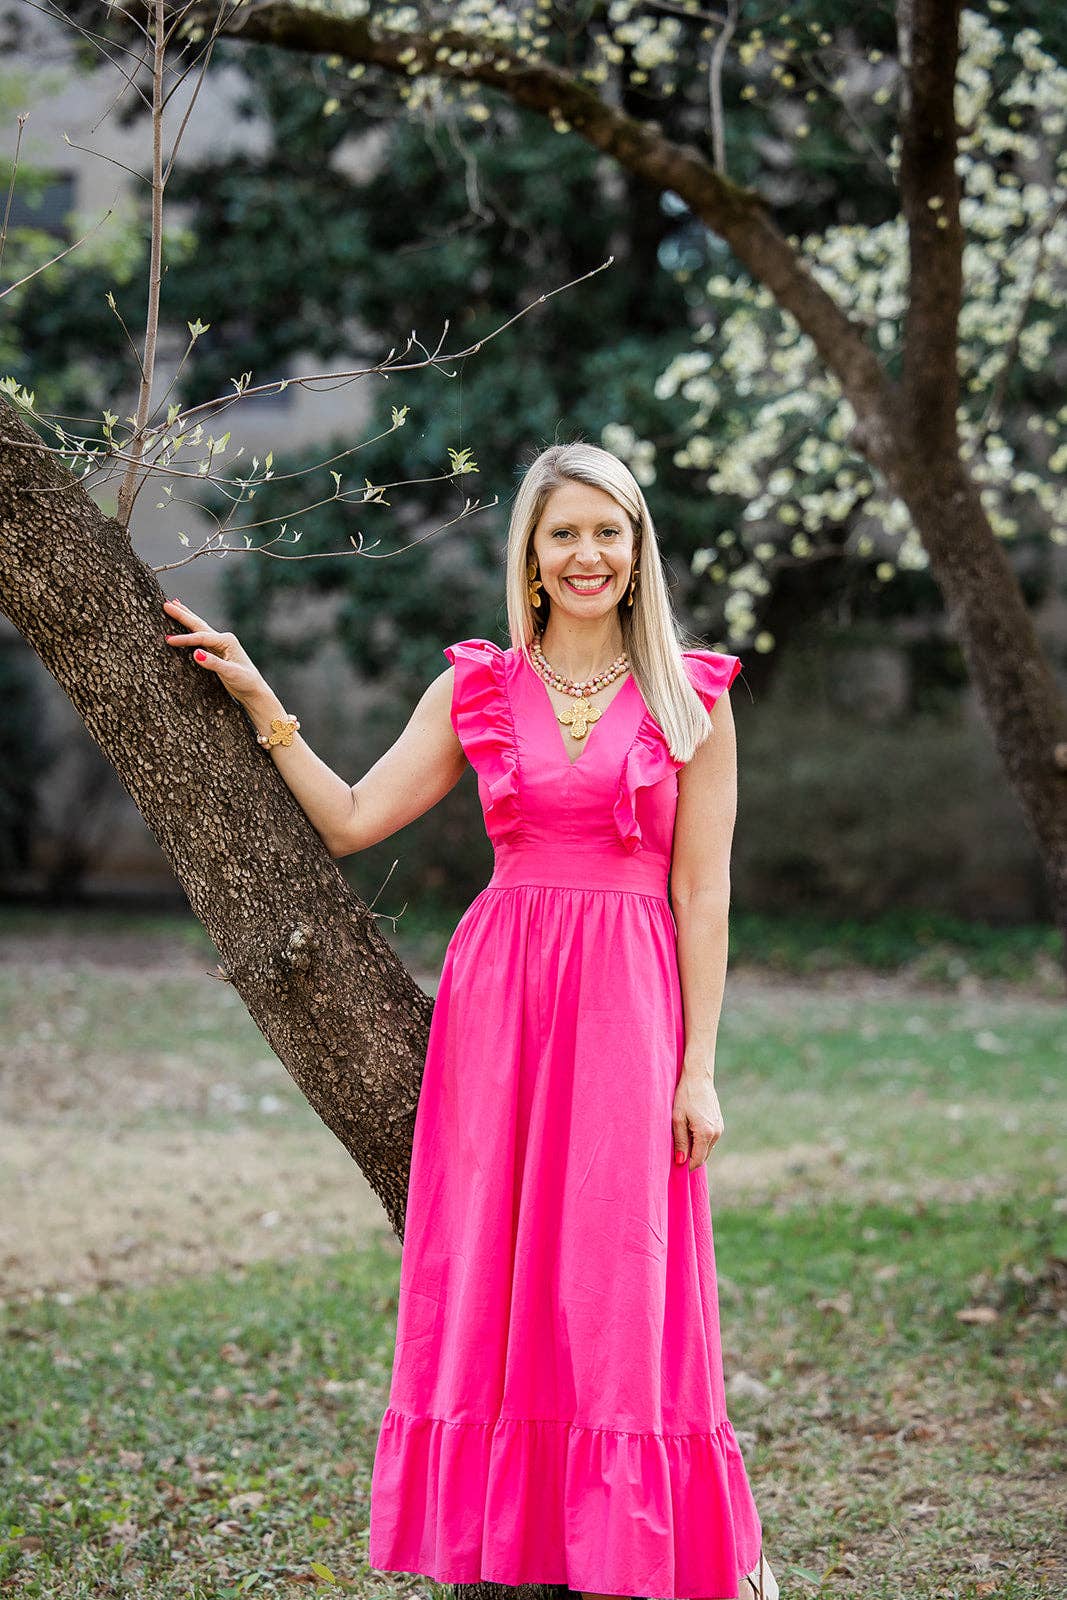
(301, 949)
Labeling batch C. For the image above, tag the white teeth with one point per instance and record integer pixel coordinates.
(588, 583)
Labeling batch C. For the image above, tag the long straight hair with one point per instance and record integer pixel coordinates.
(653, 638)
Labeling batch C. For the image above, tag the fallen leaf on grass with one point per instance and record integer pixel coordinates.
(252, 1498)
(978, 1314)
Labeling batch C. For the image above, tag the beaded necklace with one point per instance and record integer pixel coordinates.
(579, 716)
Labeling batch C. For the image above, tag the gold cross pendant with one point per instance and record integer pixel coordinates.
(578, 718)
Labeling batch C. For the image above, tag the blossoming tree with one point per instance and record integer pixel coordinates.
(856, 376)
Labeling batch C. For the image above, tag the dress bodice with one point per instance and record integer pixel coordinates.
(602, 821)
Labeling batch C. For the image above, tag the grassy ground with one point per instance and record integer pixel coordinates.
(200, 1294)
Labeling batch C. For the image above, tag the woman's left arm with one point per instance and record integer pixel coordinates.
(700, 900)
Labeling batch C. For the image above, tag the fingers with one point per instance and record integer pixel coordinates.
(194, 638)
(223, 646)
(185, 615)
(703, 1141)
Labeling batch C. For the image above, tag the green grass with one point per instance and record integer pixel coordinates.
(137, 1418)
(929, 947)
(892, 1157)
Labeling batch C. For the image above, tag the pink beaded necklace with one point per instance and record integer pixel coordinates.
(578, 717)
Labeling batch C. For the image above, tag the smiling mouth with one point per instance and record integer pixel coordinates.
(588, 585)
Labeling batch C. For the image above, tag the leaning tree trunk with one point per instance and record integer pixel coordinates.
(321, 983)
(303, 952)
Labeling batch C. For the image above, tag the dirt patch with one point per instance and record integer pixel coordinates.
(85, 1211)
(136, 1147)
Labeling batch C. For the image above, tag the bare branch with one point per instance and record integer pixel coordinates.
(53, 259)
(715, 65)
(128, 491)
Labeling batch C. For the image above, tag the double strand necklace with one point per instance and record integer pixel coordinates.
(579, 716)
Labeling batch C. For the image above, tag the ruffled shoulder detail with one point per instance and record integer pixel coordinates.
(710, 673)
(481, 716)
(649, 760)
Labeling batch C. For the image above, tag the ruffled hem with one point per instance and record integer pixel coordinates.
(649, 759)
(482, 720)
(535, 1501)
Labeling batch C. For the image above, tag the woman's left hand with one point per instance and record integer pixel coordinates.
(696, 1113)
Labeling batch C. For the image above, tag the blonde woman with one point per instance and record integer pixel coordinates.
(556, 1412)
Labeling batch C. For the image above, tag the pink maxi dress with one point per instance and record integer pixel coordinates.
(556, 1412)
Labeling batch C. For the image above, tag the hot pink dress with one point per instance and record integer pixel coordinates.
(556, 1412)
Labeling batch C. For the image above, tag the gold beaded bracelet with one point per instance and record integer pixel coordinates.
(281, 732)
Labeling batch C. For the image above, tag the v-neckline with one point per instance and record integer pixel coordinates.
(541, 687)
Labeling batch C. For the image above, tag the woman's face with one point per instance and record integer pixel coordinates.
(584, 545)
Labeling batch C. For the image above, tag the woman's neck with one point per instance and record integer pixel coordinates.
(580, 649)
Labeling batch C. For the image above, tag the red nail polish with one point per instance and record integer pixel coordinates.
(679, 1157)
(201, 655)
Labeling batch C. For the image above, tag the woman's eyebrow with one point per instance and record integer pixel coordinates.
(608, 522)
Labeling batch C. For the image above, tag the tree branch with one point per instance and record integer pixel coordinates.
(737, 215)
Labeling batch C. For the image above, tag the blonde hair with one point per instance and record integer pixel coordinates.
(652, 636)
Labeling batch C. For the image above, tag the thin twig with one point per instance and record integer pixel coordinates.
(715, 65)
(128, 491)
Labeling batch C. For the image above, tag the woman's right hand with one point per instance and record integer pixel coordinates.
(221, 653)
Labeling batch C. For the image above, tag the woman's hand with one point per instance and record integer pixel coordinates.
(696, 1111)
(220, 653)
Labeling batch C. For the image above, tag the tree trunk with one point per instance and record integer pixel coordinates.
(303, 952)
(1023, 706)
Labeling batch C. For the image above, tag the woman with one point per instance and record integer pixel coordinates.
(557, 1411)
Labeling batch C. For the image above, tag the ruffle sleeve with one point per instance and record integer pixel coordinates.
(481, 717)
(710, 673)
(649, 760)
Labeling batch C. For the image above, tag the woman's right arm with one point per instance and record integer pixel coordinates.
(417, 770)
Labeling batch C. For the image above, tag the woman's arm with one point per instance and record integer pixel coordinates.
(700, 900)
(418, 769)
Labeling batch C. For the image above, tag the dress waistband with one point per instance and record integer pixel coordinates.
(565, 867)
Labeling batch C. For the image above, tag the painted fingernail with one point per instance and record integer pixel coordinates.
(201, 655)
(679, 1157)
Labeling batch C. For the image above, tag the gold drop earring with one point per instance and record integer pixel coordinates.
(533, 586)
(633, 584)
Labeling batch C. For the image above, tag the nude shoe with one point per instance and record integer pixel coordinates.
(760, 1583)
